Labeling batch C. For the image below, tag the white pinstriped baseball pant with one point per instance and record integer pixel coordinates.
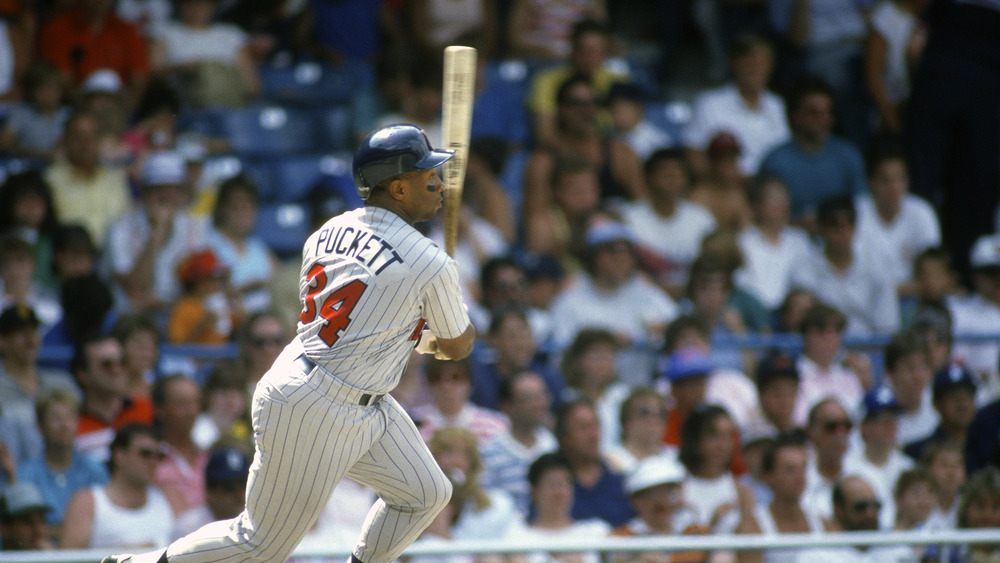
(306, 442)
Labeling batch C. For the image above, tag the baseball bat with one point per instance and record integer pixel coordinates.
(456, 122)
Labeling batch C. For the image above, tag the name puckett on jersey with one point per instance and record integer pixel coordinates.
(360, 244)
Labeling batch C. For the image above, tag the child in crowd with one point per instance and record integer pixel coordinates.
(945, 462)
(205, 314)
(914, 494)
(908, 370)
(26, 210)
(35, 126)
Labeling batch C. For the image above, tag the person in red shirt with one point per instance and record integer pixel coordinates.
(89, 37)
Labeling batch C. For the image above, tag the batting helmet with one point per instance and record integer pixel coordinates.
(391, 151)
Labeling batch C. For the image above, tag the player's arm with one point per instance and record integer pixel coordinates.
(447, 348)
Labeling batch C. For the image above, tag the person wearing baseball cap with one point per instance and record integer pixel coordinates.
(954, 397)
(22, 519)
(979, 311)
(879, 460)
(686, 370)
(226, 476)
(777, 383)
(654, 488)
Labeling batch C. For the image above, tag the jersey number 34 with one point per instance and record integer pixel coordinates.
(336, 307)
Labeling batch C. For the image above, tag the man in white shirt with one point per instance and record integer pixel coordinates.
(908, 371)
(745, 108)
(827, 432)
(979, 313)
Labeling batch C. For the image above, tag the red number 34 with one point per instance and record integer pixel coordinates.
(336, 307)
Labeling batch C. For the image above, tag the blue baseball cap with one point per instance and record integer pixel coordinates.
(685, 363)
(879, 399)
(227, 464)
(952, 376)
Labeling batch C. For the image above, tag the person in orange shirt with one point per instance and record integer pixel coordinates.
(207, 312)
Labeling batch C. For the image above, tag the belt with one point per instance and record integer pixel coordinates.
(353, 397)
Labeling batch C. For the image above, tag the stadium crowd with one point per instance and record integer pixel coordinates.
(758, 296)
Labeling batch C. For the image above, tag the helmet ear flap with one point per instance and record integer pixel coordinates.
(391, 151)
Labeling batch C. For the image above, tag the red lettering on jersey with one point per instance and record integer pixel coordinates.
(336, 308)
(415, 335)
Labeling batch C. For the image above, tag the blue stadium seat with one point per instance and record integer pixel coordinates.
(500, 109)
(309, 82)
(333, 123)
(671, 116)
(283, 226)
(512, 178)
(268, 131)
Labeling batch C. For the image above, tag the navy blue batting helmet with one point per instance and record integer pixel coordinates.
(391, 151)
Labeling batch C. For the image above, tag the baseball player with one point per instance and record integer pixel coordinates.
(372, 289)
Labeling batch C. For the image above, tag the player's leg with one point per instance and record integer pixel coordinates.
(411, 487)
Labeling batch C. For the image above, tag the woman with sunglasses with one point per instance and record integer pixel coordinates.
(643, 419)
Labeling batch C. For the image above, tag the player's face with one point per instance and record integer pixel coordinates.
(424, 194)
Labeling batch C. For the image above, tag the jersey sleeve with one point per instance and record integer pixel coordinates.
(446, 313)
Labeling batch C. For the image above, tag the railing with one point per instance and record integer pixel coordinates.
(604, 545)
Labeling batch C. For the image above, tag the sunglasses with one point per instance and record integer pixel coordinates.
(644, 411)
(865, 505)
(831, 426)
(154, 454)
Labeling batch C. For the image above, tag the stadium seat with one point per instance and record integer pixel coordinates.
(309, 82)
(333, 123)
(512, 177)
(268, 131)
(671, 116)
(499, 109)
(283, 227)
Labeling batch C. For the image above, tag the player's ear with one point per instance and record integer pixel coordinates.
(397, 188)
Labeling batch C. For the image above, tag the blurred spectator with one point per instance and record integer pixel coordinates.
(544, 30)
(85, 190)
(598, 491)
(906, 223)
(484, 513)
(589, 369)
(503, 284)
(73, 253)
(668, 227)
(147, 242)
(103, 95)
(339, 31)
(746, 109)
(512, 349)
(784, 470)
(107, 407)
(211, 62)
(777, 380)
(62, 469)
(935, 328)
(180, 476)
(554, 497)
(421, 105)
(270, 26)
(17, 46)
(710, 488)
(437, 24)
(815, 164)
(144, 14)
(225, 409)
(17, 267)
(207, 311)
(856, 509)
(450, 386)
(546, 277)
(788, 317)
(655, 489)
(87, 305)
(129, 511)
(526, 402)
(557, 225)
(613, 295)
(878, 458)
(35, 125)
(825, 369)
(643, 420)
(139, 336)
(979, 508)
(21, 378)
(827, 430)
(22, 519)
(27, 211)
(914, 497)
(954, 393)
(957, 81)
(893, 46)
(225, 478)
(935, 283)
(88, 36)
(626, 103)
(771, 248)
(722, 188)
(908, 372)
(946, 464)
(261, 338)
(982, 444)
(849, 272)
(979, 313)
(711, 297)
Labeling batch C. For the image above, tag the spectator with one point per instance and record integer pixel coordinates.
(85, 190)
(103, 95)
(524, 399)
(421, 105)
(511, 350)
(777, 379)
(982, 444)
(546, 278)
(139, 336)
(906, 223)
(129, 510)
(21, 378)
(261, 338)
(877, 459)
(27, 210)
(34, 127)
(626, 103)
(107, 406)
(979, 508)
(87, 305)
(946, 464)
(710, 488)
(437, 24)
(856, 509)
(815, 164)
(754, 441)
(211, 61)
(784, 470)
(788, 317)
(722, 189)
(22, 519)
(554, 496)
(668, 227)
(450, 386)
(597, 489)
(146, 243)
(954, 393)
(771, 248)
(908, 373)
(502, 284)
(827, 431)
(849, 271)
(914, 497)
(225, 412)
(935, 283)
(643, 420)
(17, 266)
(588, 366)
(558, 225)
(979, 313)
(485, 513)
(251, 263)
(545, 31)
(892, 47)
(687, 369)
(225, 477)
(209, 309)
(180, 476)
(62, 469)
(73, 253)
(614, 296)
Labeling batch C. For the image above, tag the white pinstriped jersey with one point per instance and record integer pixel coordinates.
(369, 282)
